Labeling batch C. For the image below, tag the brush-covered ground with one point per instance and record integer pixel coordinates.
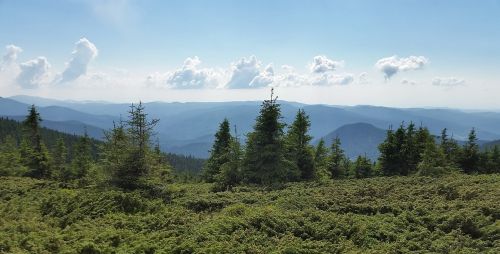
(451, 214)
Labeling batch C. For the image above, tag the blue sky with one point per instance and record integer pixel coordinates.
(442, 47)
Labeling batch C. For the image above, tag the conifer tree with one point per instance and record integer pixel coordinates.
(388, 159)
(230, 171)
(362, 167)
(495, 160)
(61, 170)
(470, 154)
(219, 153)
(82, 157)
(10, 158)
(36, 158)
(337, 160)
(433, 160)
(298, 149)
(321, 161)
(264, 161)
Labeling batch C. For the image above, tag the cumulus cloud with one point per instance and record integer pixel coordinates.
(448, 81)
(322, 64)
(84, 52)
(244, 72)
(190, 76)
(265, 78)
(33, 73)
(394, 64)
(10, 56)
(289, 78)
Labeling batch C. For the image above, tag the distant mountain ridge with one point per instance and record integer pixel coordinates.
(188, 128)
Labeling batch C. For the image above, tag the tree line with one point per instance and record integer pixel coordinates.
(273, 156)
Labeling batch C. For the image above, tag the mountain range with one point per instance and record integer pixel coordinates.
(188, 128)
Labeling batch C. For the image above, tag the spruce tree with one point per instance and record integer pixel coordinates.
(82, 157)
(219, 152)
(337, 160)
(230, 172)
(362, 167)
(495, 160)
(37, 157)
(61, 171)
(10, 158)
(298, 149)
(264, 161)
(433, 161)
(470, 154)
(321, 161)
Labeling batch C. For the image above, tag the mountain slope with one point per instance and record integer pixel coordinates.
(358, 139)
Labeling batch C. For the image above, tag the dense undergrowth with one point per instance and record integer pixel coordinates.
(452, 214)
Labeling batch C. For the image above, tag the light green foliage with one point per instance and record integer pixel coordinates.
(451, 214)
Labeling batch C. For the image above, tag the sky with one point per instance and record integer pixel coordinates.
(399, 53)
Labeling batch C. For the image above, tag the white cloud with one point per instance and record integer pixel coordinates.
(33, 73)
(190, 76)
(244, 72)
(448, 81)
(84, 52)
(10, 56)
(333, 79)
(322, 64)
(265, 78)
(394, 64)
(290, 78)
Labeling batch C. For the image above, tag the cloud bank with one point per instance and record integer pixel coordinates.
(448, 81)
(33, 73)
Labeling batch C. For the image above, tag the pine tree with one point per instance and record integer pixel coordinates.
(495, 160)
(264, 161)
(337, 160)
(298, 149)
(10, 158)
(321, 161)
(433, 161)
(362, 167)
(115, 153)
(37, 157)
(61, 170)
(82, 157)
(470, 154)
(389, 155)
(219, 152)
(230, 172)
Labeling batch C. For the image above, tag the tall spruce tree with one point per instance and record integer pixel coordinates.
(298, 149)
(321, 161)
(264, 160)
(230, 171)
(470, 154)
(337, 160)
(219, 154)
(36, 156)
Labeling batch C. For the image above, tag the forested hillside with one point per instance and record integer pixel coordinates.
(272, 192)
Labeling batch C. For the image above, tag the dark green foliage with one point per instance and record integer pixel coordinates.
(82, 157)
(298, 149)
(219, 153)
(264, 161)
(362, 167)
(321, 161)
(230, 172)
(60, 167)
(34, 153)
(11, 163)
(469, 159)
(337, 161)
(451, 214)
